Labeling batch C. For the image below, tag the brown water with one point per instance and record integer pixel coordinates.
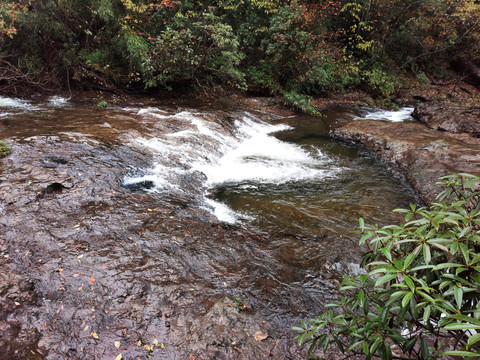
(107, 226)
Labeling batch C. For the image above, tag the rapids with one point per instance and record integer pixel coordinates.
(178, 223)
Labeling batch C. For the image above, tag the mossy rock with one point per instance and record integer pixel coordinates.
(5, 149)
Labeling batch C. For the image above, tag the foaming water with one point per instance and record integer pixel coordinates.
(58, 101)
(403, 114)
(12, 103)
(206, 155)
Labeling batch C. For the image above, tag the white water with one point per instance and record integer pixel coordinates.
(245, 154)
(11, 103)
(404, 114)
(58, 101)
(17, 106)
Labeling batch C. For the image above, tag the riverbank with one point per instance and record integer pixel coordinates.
(445, 139)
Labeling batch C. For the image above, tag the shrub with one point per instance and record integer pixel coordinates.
(421, 291)
(5, 149)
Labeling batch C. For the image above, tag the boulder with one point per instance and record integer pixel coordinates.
(450, 118)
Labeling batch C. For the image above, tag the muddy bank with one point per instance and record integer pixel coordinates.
(422, 154)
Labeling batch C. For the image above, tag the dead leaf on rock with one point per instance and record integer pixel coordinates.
(259, 336)
(119, 357)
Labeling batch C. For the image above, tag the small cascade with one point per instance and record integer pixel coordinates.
(403, 114)
(210, 155)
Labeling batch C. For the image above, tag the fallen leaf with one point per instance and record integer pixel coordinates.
(60, 271)
(155, 342)
(86, 328)
(259, 336)
(191, 357)
(117, 344)
(92, 279)
(80, 256)
(94, 335)
(119, 357)
(162, 345)
(139, 343)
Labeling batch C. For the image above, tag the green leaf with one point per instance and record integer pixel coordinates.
(301, 339)
(472, 340)
(426, 253)
(465, 318)
(446, 265)
(386, 252)
(365, 347)
(409, 282)
(408, 260)
(426, 314)
(361, 222)
(360, 297)
(388, 352)
(374, 346)
(424, 350)
(409, 344)
(295, 328)
(384, 279)
(461, 326)
(458, 294)
(459, 353)
(406, 299)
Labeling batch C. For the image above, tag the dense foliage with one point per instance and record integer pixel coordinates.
(295, 47)
(420, 295)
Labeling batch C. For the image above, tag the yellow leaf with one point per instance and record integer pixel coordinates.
(162, 345)
(155, 342)
(117, 344)
(94, 335)
(119, 357)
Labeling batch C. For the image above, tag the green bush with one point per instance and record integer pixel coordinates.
(197, 48)
(421, 291)
(5, 149)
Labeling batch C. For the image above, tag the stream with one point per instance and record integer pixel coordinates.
(180, 223)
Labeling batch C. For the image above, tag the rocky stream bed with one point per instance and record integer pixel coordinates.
(91, 269)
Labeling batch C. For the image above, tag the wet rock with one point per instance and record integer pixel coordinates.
(422, 154)
(420, 98)
(450, 118)
(139, 187)
(94, 265)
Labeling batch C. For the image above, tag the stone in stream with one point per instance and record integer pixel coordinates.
(422, 154)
